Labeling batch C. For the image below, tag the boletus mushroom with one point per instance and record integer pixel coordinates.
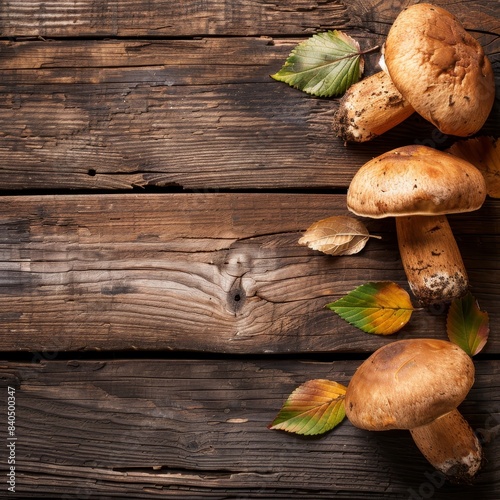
(417, 385)
(418, 185)
(434, 67)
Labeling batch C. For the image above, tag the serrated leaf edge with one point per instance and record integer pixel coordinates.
(360, 316)
(351, 53)
(319, 427)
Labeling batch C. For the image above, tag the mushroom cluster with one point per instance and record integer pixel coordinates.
(431, 65)
(417, 385)
(434, 67)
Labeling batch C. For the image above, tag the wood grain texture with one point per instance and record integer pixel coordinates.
(166, 18)
(129, 114)
(204, 272)
(198, 429)
(130, 18)
(200, 114)
(207, 294)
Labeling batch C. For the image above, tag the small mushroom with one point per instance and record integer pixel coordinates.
(419, 185)
(417, 384)
(438, 70)
(369, 108)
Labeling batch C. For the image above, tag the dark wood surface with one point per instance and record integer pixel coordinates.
(156, 308)
(174, 428)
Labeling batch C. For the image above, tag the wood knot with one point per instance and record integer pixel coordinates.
(236, 298)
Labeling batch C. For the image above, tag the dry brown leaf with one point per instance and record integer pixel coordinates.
(484, 154)
(337, 235)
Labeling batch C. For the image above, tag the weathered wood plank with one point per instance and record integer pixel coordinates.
(201, 114)
(209, 61)
(63, 18)
(210, 272)
(150, 118)
(207, 137)
(197, 429)
(166, 18)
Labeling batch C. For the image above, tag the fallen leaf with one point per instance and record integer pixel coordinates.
(484, 154)
(337, 235)
(315, 407)
(382, 308)
(467, 325)
(324, 65)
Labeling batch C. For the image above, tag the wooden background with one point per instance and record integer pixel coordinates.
(155, 306)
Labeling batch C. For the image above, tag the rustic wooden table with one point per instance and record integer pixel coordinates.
(155, 306)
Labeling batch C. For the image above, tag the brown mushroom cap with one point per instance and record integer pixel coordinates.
(408, 383)
(440, 69)
(415, 180)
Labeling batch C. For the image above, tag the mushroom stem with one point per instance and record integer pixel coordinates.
(369, 108)
(431, 259)
(450, 445)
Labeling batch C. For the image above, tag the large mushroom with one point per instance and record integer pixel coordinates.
(418, 186)
(434, 67)
(417, 385)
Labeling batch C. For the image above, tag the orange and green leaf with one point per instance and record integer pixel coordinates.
(382, 308)
(315, 407)
(467, 325)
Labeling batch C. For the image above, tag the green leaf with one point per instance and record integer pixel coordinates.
(467, 325)
(382, 308)
(325, 65)
(315, 407)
